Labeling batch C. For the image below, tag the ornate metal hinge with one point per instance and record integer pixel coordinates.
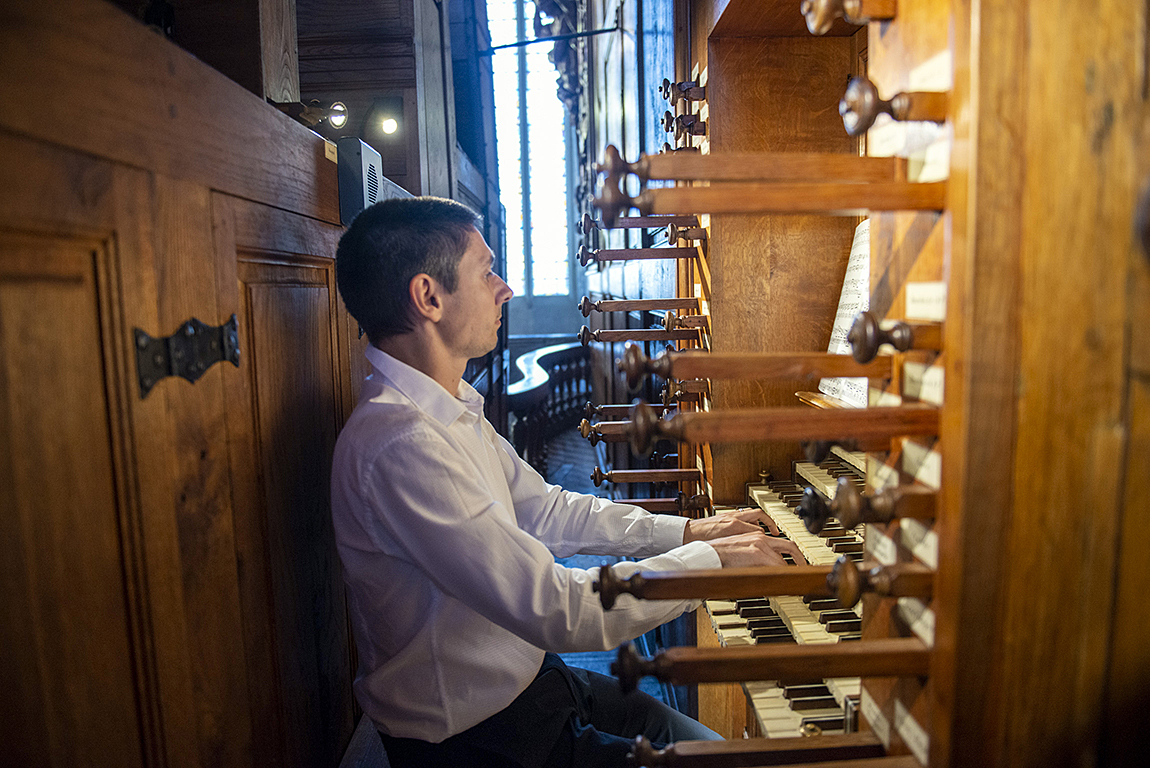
(191, 350)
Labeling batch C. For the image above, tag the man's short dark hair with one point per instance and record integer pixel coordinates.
(388, 244)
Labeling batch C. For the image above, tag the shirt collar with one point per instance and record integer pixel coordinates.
(425, 391)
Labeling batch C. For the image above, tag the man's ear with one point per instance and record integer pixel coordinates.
(426, 297)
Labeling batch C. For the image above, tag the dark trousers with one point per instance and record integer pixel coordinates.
(566, 718)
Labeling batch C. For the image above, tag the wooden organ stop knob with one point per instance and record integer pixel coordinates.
(688, 89)
(587, 255)
(779, 424)
(894, 657)
(676, 233)
(586, 335)
(821, 14)
(867, 335)
(589, 224)
(796, 366)
(863, 750)
(586, 306)
(852, 508)
(689, 125)
(606, 411)
(752, 166)
(673, 321)
(830, 198)
(646, 476)
(845, 581)
(604, 431)
(680, 503)
(861, 105)
(680, 391)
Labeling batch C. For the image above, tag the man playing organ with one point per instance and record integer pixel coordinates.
(449, 540)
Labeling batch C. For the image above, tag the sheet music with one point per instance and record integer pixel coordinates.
(855, 298)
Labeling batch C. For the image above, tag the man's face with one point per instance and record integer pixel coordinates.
(472, 314)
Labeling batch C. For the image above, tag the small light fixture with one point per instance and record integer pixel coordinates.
(313, 113)
(390, 125)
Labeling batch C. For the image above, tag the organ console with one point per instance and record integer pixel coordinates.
(861, 105)
(962, 228)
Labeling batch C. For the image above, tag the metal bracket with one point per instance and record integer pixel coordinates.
(188, 352)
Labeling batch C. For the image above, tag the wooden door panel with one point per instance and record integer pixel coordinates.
(285, 410)
(69, 695)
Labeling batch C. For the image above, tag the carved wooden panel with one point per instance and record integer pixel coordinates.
(70, 697)
(287, 405)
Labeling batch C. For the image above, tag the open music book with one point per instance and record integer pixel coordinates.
(855, 298)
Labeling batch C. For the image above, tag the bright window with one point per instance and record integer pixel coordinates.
(535, 201)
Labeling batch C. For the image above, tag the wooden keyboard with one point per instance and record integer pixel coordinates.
(792, 708)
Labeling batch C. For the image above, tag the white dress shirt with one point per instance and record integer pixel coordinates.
(448, 541)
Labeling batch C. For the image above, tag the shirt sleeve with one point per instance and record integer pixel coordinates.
(576, 523)
(425, 508)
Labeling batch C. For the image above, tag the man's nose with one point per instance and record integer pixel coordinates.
(504, 294)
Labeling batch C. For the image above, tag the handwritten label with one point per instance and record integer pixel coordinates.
(926, 301)
(882, 548)
(918, 617)
(922, 382)
(917, 739)
(854, 298)
(920, 540)
(874, 716)
(922, 463)
(330, 151)
(880, 475)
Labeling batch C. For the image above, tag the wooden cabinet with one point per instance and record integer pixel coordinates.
(170, 587)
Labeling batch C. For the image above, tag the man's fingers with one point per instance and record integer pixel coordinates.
(788, 546)
(759, 517)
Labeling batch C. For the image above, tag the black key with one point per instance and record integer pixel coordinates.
(826, 722)
(839, 615)
(799, 691)
(813, 702)
(844, 625)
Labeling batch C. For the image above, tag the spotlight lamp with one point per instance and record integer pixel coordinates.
(337, 115)
(390, 125)
(313, 113)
